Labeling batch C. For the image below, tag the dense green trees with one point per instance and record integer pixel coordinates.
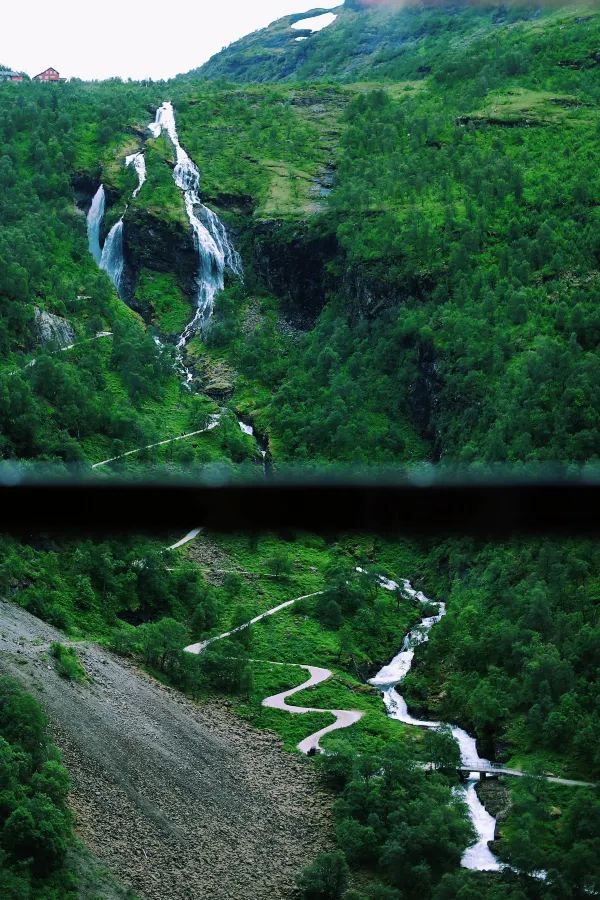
(35, 823)
(326, 878)
(518, 650)
(393, 819)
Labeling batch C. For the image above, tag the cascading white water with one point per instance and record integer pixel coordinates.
(215, 251)
(94, 223)
(110, 257)
(138, 161)
(112, 260)
(479, 856)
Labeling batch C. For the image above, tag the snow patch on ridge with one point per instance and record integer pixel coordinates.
(315, 23)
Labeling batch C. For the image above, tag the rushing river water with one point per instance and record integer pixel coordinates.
(478, 856)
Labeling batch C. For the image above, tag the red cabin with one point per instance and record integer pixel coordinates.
(47, 75)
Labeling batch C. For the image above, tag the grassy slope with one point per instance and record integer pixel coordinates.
(297, 638)
(267, 145)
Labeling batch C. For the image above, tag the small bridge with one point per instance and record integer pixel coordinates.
(497, 771)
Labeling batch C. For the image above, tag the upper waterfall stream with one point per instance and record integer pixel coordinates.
(94, 223)
(215, 251)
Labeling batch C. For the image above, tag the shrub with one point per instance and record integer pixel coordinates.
(67, 662)
(326, 878)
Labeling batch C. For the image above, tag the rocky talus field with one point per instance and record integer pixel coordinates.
(179, 800)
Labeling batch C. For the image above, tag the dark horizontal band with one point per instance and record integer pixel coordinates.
(494, 509)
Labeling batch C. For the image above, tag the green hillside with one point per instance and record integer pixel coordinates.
(414, 193)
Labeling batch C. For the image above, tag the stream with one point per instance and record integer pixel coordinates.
(479, 856)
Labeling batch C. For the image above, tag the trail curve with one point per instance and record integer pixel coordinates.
(343, 718)
(33, 362)
(182, 437)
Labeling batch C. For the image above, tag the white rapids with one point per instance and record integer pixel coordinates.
(138, 161)
(479, 856)
(215, 251)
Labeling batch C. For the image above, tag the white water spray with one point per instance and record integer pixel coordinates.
(112, 260)
(94, 223)
(215, 251)
(138, 161)
(110, 257)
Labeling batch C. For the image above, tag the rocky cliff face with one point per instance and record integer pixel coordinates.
(85, 185)
(49, 329)
(163, 246)
(292, 262)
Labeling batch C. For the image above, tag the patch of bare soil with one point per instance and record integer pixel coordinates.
(180, 801)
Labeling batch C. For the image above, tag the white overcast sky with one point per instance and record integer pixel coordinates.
(156, 38)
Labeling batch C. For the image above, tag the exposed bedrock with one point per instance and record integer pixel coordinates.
(153, 243)
(50, 329)
(292, 262)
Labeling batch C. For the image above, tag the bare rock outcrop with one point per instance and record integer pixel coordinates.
(51, 329)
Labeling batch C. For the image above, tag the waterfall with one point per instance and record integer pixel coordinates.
(94, 223)
(110, 257)
(138, 161)
(215, 251)
(112, 261)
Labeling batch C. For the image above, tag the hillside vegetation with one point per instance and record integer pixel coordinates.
(414, 193)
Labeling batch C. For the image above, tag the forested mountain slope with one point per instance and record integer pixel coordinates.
(393, 41)
(414, 195)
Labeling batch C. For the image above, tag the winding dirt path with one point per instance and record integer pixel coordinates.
(32, 362)
(343, 718)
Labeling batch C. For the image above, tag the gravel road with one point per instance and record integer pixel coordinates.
(180, 801)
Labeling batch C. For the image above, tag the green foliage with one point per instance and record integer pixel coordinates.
(260, 149)
(517, 651)
(556, 830)
(226, 669)
(395, 819)
(159, 292)
(67, 662)
(441, 749)
(35, 822)
(326, 878)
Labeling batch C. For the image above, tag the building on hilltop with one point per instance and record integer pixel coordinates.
(47, 75)
(9, 75)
